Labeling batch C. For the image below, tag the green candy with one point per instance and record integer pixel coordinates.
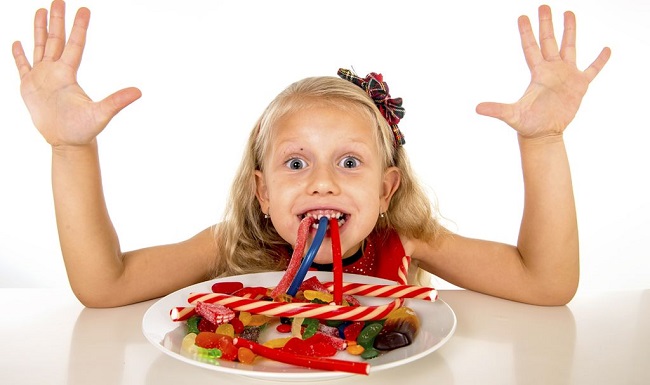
(311, 327)
(369, 353)
(368, 334)
(193, 324)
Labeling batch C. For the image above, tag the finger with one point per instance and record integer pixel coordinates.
(74, 49)
(598, 64)
(546, 35)
(528, 43)
(114, 103)
(568, 50)
(56, 36)
(40, 34)
(499, 111)
(21, 61)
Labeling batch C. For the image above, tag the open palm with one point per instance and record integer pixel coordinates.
(59, 107)
(557, 86)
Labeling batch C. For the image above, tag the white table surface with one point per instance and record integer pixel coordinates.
(47, 337)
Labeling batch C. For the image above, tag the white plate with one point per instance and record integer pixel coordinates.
(437, 320)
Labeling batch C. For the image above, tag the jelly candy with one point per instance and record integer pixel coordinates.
(323, 349)
(354, 349)
(337, 343)
(311, 295)
(207, 340)
(332, 331)
(400, 329)
(228, 349)
(237, 325)
(245, 356)
(277, 342)
(311, 327)
(351, 331)
(226, 330)
(368, 334)
(369, 353)
(296, 346)
(192, 324)
(206, 326)
(314, 284)
(251, 333)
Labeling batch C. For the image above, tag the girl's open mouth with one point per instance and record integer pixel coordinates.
(317, 214)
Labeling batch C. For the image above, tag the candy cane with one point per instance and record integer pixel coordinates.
(387, 291)
(299, 309)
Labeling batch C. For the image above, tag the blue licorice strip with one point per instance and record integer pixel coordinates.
(309, 257)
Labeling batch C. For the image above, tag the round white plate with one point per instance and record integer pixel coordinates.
(437, 325)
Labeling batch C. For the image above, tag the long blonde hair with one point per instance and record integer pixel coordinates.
(247, 242)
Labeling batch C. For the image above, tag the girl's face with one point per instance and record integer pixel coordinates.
(325, 160)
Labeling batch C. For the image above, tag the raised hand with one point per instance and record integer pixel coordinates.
(557, 86)
(59, 107)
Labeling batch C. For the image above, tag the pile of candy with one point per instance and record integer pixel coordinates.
(318, 319)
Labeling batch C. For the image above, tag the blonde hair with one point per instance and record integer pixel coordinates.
(247, 242)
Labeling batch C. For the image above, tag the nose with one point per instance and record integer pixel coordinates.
(323, 181)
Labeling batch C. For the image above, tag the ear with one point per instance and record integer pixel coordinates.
(261, 191)
(390, 184)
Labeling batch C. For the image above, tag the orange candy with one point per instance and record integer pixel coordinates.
(245, 355)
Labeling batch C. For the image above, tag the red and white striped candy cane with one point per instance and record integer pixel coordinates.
(299, 309)
(387, 291)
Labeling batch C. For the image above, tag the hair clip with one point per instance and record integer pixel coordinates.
(377, 89)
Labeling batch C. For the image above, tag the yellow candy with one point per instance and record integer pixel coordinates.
(258, 320)
(245, 317)
(277, 342)
(313, 294)
(188, 349)
(226, 330)
(354, 349)
(296, 327)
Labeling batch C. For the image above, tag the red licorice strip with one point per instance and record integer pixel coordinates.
(296, 257)
(320, 363)
(337, 261)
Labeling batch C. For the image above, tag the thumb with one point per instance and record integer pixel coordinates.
(499, 111)
(114, 103)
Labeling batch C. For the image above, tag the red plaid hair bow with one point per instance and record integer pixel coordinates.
(377, 89)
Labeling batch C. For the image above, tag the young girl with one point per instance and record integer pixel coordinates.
(325, 146)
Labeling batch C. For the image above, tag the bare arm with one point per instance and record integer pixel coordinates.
(99, 273)
(544, 266)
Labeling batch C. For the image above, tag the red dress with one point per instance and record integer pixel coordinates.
(383, 257)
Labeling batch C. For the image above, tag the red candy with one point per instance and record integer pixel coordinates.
(206, 326)
(283, 328)
(313, 284)
(207, 340)
(228, 349)
(351, 332)
(215, 313)
(226, 287)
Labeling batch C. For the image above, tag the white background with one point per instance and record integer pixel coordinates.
(208, 68)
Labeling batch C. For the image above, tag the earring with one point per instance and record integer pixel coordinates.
(382, 215)
(267, 216)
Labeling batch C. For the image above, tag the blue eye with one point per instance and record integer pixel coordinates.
(296, 164)
(350, 162)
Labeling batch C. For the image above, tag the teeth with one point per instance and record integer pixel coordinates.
(329, 215)
(318, 216)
